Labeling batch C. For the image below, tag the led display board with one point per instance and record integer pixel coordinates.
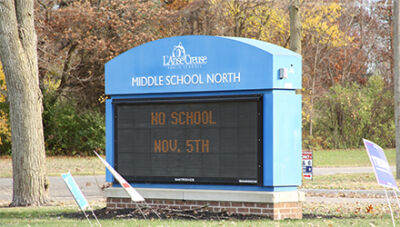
(198, 140)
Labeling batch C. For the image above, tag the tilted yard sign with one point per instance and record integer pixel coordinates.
(204, 114)
(380, 164)
(383, 172)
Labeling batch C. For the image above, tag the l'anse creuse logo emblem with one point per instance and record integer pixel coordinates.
(180, 59)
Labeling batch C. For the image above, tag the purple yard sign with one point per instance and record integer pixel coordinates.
(381, 166)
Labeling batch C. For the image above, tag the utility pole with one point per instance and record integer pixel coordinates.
(396, 52)
(295, 26)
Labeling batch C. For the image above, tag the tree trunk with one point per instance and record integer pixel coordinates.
(295, 27)
(396, 50)
(19, 57)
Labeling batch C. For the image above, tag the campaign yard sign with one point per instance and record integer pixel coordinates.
(307, 157)
(380, 164)
(75, 191)
(135, 196)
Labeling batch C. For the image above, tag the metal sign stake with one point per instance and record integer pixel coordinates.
(390, 207)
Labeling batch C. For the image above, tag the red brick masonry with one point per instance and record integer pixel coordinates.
(276, 211)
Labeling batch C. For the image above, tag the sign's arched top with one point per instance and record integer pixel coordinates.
(202, 63)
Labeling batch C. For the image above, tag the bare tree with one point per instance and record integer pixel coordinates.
(19, 57)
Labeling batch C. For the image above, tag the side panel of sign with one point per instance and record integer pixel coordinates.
(282, 139)
(109, 138)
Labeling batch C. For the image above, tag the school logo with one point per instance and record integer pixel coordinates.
(180, 59)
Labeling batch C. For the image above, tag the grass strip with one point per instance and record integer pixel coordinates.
(350, 157)
(317, 214)
(356, 181)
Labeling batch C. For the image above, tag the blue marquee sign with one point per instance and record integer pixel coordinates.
(205, 112)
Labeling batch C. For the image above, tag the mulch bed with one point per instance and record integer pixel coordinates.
(163, 213)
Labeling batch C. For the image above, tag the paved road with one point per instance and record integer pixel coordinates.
(91, 187)
(342, 170)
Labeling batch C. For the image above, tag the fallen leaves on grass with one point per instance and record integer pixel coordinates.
(346, 210)
(370, 209)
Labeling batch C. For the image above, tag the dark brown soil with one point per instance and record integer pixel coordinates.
(163, 213)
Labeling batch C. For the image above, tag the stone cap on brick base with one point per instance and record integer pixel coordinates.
(210, 195)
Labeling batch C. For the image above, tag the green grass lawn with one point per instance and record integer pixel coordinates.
(346, 158)
(358, 181)
(315, 215)
(351, 157)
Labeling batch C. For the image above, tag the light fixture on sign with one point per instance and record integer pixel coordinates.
(283, 73)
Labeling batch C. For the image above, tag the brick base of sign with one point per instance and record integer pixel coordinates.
(276, 210)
